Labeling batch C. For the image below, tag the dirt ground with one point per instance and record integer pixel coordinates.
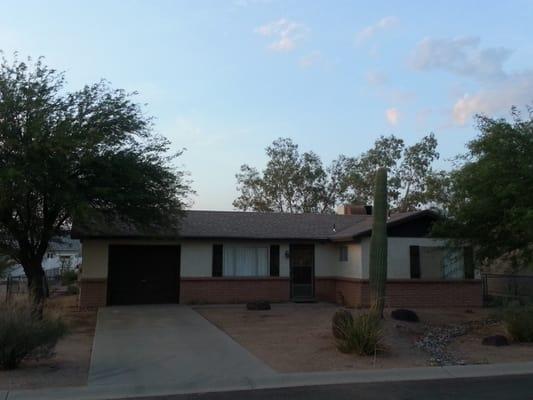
(70, 365)
(297, 337)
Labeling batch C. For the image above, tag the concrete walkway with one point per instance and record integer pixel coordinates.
(167, 344)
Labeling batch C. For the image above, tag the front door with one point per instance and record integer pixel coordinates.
(302, 264)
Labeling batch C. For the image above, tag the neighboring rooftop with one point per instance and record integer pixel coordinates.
(63, 243)
(250, 225)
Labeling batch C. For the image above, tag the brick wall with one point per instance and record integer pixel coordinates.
(441, 293)
(233, 290)
(351, 292)
(413, 293)
(325, 289)
(345, 291)
(93, 293)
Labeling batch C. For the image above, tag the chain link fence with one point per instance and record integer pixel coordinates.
(15, 286)
(507, 286)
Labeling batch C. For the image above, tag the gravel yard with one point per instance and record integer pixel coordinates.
(297, 338)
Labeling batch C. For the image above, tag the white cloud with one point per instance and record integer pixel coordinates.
(498, 90)
(286, 34)
(311, 59)
(369, 32)
(393, 116)
(461, 56)
(376, 78)
(515, 90)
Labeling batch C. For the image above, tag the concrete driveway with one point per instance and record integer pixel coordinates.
(153, 345)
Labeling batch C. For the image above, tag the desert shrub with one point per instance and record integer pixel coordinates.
(519, 323)
(23, 336)
(68, 277)
(72, 289)
(364, 336)
(340, 323)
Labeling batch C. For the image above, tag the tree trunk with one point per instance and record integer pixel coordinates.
(36, 285)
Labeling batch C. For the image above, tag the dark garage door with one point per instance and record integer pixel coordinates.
(143, 274)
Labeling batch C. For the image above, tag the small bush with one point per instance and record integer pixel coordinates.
(363, 336)
(22, 336)
(340, 323)
(519, 323)
(68, 277)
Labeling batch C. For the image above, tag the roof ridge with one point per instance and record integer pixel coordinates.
(275, 213)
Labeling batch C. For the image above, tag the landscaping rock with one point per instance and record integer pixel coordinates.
(258, 305)
(436, 339)
(405, 315)
(495, 340)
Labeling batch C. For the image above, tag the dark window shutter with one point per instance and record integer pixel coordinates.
(469, 262)
(414, 253)
(274, 260)
(217, 260)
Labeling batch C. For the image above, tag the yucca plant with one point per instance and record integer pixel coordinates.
(364, 336)
(340, 323)
(378, 244)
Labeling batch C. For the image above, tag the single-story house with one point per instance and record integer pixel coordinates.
(237, 257)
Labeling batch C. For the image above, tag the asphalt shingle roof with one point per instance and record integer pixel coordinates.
(248, 225)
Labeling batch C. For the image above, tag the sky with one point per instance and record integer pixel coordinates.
(225, 78)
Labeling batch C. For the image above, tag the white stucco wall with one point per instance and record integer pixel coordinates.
(326, 257)
(94, 259)
(196, 256)
(353, 267)
(196, 259)
(399, 261)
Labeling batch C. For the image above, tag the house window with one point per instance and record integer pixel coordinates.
(245, 261)
(343, 253)
(438, 262)
(414, 255)
(468, 253)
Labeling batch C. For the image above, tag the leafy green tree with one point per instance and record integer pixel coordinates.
(291, 182)
(410, 171)
(294, 182)
(489, 197)
(67, 155)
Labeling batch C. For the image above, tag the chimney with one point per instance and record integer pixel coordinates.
(354, 209)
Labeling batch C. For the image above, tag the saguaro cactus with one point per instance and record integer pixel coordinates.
(378, 244)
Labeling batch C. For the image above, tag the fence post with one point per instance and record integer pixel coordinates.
(484, 288)
(8, 287)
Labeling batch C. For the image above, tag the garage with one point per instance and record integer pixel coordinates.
(143, 274)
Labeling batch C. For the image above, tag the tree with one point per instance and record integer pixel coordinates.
(490, 201)
(81, 154)
(291, 182)
(378, 244)
(294, 182)
(410, 171)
